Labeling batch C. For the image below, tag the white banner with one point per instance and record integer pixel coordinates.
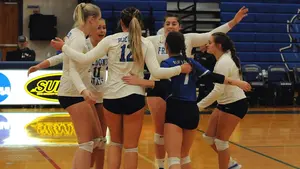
(40, 87)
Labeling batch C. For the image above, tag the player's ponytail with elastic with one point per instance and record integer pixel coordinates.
(83, 11)
(131, 18)
(176, 44)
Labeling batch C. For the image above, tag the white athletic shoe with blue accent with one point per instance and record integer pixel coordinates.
(234, 165)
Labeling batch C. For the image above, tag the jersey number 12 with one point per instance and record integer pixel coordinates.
(128, 56)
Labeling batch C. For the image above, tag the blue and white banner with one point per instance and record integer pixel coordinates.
(40, 87)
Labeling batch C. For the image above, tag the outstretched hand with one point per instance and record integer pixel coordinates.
(57, 43)
(243, 12)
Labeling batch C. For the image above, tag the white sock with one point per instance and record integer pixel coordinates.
(231, 162)
(160, 163)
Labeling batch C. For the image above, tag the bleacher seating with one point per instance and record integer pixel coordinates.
(280, 85)
(253, 74)
(111, 11)
(269, 35)
(297, 83)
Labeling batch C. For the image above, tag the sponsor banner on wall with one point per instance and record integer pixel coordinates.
(41, 87)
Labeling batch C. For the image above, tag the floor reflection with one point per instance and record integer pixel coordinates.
(36, 129)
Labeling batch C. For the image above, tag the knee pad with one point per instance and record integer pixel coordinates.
(160, 162)
(99, 143)
(116, 144)
(221, 145)
(104, 140)
(159, 139)
(208, 140)
(96, 142)
(87, 146)
(130, 150)
(185, 160)
(173, 161)
(102, 144)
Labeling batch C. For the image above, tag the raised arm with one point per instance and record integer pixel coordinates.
(202, 38)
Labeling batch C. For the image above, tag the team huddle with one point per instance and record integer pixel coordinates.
(97, 101)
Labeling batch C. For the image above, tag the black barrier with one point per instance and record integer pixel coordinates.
(24, 65)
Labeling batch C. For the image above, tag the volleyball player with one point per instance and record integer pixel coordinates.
(155, 99)
(127, 52)
(75, 80)
(182, 115)
(232, 103)
(98, 77)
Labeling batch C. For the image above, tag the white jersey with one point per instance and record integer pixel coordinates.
(161, 31)
(120, 64)
(224, 94)
(76, 76)
(97, 71)
(192, 40)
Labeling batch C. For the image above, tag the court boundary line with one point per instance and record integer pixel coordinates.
(274, 146)
(147, 159)
(259, 153)
(49, 159)
(262, 112)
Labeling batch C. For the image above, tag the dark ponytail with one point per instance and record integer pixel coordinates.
(234, 57)
(227, 44)
(176, 44)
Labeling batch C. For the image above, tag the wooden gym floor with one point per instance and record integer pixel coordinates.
(267, 138)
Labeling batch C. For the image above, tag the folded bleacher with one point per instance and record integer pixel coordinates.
(268, 39)
(269, 35)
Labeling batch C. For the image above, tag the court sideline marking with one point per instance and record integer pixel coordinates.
(256, 152)
(49, 159)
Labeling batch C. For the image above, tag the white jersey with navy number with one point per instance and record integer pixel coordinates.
(98, 70)
(192, 40)
(120, 63)
(224, 94)
(76, 76)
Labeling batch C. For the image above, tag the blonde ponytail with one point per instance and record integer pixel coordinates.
(78, 15)
(135, 41)
(83, 11)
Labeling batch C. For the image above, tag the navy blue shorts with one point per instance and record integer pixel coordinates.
(184, 114)
(66, 101)
(238, 108)
(161, 89)
(125, 105)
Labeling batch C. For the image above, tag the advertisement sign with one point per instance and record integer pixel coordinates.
(40, 88)
(36, 129)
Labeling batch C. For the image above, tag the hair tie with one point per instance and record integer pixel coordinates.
(83, 5)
